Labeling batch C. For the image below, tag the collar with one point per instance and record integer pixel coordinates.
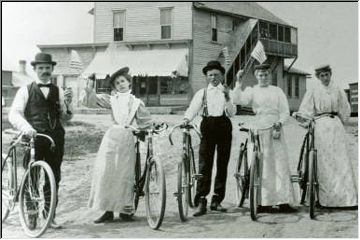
(219, 87)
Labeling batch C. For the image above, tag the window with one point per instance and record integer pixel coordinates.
(119, 24)
(274, 79)
(273, 32)
(214, 36)
(297, 87)
(165, 22)
(293, 36)
(289, 86)
(264, 29)
(287, 34)
(281, 33)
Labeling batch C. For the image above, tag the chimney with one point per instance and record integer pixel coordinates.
(22, 66)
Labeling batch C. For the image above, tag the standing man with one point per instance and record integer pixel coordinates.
(215, 104)
(40, 107)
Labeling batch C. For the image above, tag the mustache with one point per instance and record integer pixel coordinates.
(46, 74)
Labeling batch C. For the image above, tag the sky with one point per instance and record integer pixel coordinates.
(328, 32)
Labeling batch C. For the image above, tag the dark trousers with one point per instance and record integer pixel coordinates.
(216, 134)
(53, 157)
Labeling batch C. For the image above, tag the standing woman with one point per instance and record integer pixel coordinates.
(114, 167)
(271, 108)
(335, 173)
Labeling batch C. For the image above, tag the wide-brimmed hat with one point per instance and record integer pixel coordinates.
(122, 71)
(213, 65)
(43, 58)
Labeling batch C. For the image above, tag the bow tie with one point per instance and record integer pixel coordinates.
(44, 85)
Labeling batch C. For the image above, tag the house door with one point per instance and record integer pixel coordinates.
(148, 90)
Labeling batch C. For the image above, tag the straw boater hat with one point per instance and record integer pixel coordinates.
(121, 72)
(43, 58)
(213, 65)
(264, 66)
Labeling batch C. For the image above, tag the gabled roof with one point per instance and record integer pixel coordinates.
(246, 9)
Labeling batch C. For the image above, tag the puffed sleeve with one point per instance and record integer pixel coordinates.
(283, 107)
(241, 97)
(92, 100)
(344, 106)
(143, 117)
(307, 106)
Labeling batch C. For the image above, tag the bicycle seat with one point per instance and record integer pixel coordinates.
(244, 130)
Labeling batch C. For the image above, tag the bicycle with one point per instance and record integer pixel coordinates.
(152, 178)
(248, 179)
(187, 172)
(307, 165)
(36, 203)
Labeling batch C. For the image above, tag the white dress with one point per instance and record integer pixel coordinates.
(114, 167)
(337, 182)
(270, 106)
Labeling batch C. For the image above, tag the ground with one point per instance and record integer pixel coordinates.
(83, 136)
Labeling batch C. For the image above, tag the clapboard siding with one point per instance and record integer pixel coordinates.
(142, 20)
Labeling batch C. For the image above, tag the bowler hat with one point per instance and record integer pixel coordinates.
(121, 72)
(264, 66)
(213, 65)
(323, 68)
(43, 58)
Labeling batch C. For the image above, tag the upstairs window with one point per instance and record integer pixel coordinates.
(287, 34)
(119, 25)
(165, 22)
(273, 31)
(281, 34)
(214, 34)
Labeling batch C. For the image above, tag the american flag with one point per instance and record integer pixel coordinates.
(75, 61)
(259, 53)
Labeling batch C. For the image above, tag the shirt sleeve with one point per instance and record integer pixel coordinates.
(143, 117)
(344, 106)
(195, 105)
(230, 107)
(17, 109)
(283, 107)
(241, 97)
(66, 109)
(307, 106)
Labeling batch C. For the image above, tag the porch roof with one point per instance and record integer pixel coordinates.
(159, 62)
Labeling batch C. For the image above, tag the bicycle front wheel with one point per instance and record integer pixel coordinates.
(312, 182)
(155, 194)
(7, 187)
(37, 199)
(254, 187)
(241, 178)
(192, 179)
(183, 190)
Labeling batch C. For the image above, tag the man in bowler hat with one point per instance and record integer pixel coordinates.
(40, 107)
(215, 104)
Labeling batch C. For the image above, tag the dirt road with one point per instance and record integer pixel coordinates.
(83, 139)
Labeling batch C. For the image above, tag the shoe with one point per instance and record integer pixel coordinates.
(126, 217)
(32, 221)
(202, 208)
(285, 208)
(106, 217)
(55, 225)
(265, 209)
(215, 206)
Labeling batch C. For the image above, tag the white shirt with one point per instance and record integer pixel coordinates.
(16, 114)
(216, 103)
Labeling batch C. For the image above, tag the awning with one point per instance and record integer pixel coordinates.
(160, 62)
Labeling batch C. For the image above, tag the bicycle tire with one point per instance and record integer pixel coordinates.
(155, 172)
(7, 185)
(183, 190)
(43, 172)
(312, 182)
(242, 184)
(254, 187)
(137, 185)
(302, 170)
(192, 179)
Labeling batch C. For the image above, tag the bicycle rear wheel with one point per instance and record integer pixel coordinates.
(155, 194)
(254, 187)
(37, 199)
(241, 178)
(302, 170)
(312, 182)
(7, 187)
(183, 190)
(192, 179)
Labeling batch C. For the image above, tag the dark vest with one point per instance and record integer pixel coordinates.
(42, 113)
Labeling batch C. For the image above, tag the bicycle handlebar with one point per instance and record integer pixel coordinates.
(156, 128)
(182, 126)
(298, 116)
(21, 134)
(243, 129)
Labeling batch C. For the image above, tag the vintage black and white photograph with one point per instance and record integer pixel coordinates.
(179, 119)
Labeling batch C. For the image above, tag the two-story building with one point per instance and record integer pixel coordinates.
(166, 45)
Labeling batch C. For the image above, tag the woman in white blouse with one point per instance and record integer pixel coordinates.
(114, 167)
(336, 175)
(271, 108)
